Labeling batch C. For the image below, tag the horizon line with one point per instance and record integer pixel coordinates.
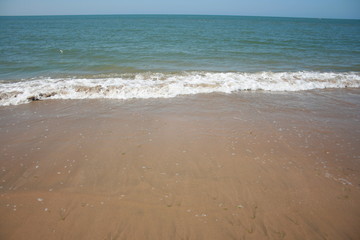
(172, 14)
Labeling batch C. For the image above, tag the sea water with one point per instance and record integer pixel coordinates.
(162, 56)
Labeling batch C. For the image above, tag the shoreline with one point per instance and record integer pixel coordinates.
(163, 85)
(250, 165)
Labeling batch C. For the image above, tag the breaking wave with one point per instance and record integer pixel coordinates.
(168, 85)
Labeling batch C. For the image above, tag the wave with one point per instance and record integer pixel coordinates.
(168, 85)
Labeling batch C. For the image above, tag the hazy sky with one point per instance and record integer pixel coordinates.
(288, 8)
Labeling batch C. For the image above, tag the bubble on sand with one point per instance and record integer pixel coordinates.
(200, 215)
(344, 181)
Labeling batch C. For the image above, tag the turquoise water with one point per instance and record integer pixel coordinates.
(125, 50)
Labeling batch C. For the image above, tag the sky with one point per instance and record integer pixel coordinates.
(282, 8)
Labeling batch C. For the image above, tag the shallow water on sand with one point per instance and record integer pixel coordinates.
(251, 165)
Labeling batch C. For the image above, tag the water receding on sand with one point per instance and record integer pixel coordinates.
(247, 165)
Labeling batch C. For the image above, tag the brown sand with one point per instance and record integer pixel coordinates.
(251, 165)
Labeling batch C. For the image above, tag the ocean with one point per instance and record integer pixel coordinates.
(164, 56)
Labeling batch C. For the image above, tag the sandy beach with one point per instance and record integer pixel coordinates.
(250, 165)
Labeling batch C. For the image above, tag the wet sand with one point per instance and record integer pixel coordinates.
(251, 165)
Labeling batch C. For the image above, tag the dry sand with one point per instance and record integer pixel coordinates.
(252, 165)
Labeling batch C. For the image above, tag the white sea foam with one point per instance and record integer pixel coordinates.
(167, 85)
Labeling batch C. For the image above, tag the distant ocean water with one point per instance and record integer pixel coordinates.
(150, 56)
